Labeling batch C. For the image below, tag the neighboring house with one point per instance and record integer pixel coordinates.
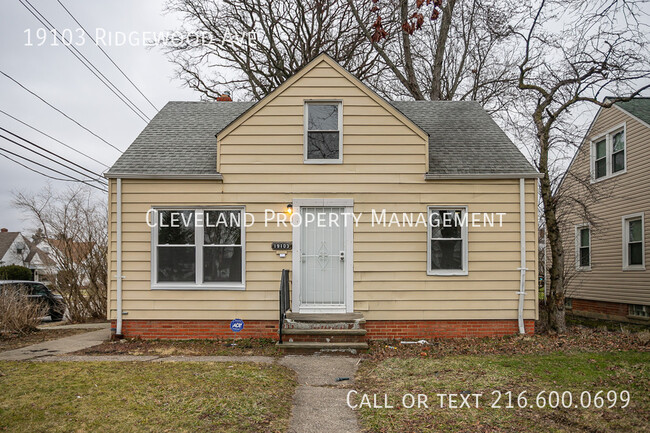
(607, 277)
(41, 264)
(322, 143)
(14, 248)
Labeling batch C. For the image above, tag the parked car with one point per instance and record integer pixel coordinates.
(38, 292)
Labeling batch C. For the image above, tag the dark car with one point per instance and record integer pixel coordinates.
(37, 292)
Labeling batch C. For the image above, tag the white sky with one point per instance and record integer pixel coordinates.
(54, 74)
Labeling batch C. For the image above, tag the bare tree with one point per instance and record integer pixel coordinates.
(602, 52)
(261, 43)
(74, 225)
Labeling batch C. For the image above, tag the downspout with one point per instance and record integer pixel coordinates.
(118, 330)
(522, 268)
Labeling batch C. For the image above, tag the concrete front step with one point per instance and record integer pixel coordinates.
(325, 317)
(323, 331)
(320, 346)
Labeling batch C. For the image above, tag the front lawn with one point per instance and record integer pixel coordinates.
(472, 374)
(147, 397)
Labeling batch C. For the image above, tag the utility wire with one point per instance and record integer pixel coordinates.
(34, 170)
(87, 63)
(99, 176)
(61, 112)
(52, 169)
(106, 54)
(52, 138)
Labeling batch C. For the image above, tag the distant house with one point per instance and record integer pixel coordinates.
(14, 248)
(604, 229)
(322, 145)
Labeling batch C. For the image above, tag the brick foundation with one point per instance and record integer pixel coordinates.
(377, 329)
(610, 310)
(417, 329)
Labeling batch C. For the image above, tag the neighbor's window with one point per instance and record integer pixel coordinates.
(608, 154)
(633, 249)
(323, 132)
(639, 311)
(583, 244)
(198, 248)
(447, 244)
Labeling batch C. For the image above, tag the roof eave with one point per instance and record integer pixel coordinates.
(440, 176)
(212, 176)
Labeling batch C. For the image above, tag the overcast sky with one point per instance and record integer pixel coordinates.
(58, 77)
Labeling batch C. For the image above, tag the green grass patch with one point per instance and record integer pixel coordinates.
(575, 372)
(147, 397)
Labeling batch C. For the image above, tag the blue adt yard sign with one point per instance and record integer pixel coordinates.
(237, 325)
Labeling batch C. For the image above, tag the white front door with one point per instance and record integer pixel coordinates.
(323, 258)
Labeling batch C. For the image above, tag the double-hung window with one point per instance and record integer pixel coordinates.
(447, 243)
(583, 248)
(633, 242)
(323, 132)
(198, 248)
(608, 154)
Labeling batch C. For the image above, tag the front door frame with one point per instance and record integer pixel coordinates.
(348, 204)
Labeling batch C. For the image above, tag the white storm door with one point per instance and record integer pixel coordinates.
(322, 259)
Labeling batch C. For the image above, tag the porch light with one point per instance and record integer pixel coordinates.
(290, 209)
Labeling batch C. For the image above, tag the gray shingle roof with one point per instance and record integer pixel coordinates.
(637, 107)
(180, 140)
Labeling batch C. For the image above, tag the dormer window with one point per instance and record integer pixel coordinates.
(323, 132)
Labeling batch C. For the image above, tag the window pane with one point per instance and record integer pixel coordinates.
(601, 168)
(619, 142)
(635, 254)
(447, 254)
(584, 237)
(445, 224)
(323, 145)
(222, 264)
(323, 117)
(176, 264)
(601, 149)
(618, 161)
(584, 256)
(222, 227)
(176, 227)
(635, 231)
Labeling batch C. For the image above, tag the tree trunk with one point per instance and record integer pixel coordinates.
(555, 297)
(445, 24)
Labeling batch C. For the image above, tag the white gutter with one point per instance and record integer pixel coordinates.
(522, 268)
(118, 330)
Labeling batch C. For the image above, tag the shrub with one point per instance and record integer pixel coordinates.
(18, 314)
(15, 272)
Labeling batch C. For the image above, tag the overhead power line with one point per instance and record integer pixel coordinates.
(106, 54)
(87, 63)
(52, 169)
(55, 139)
(61, 112)
(97, 177)
(34, 170)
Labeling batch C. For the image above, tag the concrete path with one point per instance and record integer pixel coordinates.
(63, 325)
(319, 404)
(57, 347)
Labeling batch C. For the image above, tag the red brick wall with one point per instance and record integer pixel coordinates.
(377, 329)
(189, 329)
(416, 329)
(600, 307)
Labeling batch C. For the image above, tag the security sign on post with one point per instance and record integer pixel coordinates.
(237, 325)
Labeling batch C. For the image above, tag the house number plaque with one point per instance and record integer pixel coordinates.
(280, 246)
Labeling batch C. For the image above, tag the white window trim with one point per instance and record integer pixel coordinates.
(464, 232)
(626, 237)
(306, 160)
(609, 146)
(578, 245)
(630, 311)
(198, 249)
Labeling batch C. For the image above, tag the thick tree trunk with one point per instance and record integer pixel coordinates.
(555, 296)
(445, 24)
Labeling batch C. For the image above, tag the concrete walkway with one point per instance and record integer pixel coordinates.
(57, 347)
(63, 325)
(319, 404)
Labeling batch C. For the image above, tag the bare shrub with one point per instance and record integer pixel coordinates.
(18, 314)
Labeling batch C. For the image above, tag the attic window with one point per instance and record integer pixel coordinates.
(323, 132)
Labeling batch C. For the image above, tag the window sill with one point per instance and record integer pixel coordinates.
(583, 268)
(634, 268)
(600, 179)
(323, 161)
(447, 273)
(168, 286)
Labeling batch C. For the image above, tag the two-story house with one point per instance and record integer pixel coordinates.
(428, 212)
(606, 197)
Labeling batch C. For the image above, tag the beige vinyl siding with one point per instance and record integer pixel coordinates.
(620, 195)
(384, 161)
